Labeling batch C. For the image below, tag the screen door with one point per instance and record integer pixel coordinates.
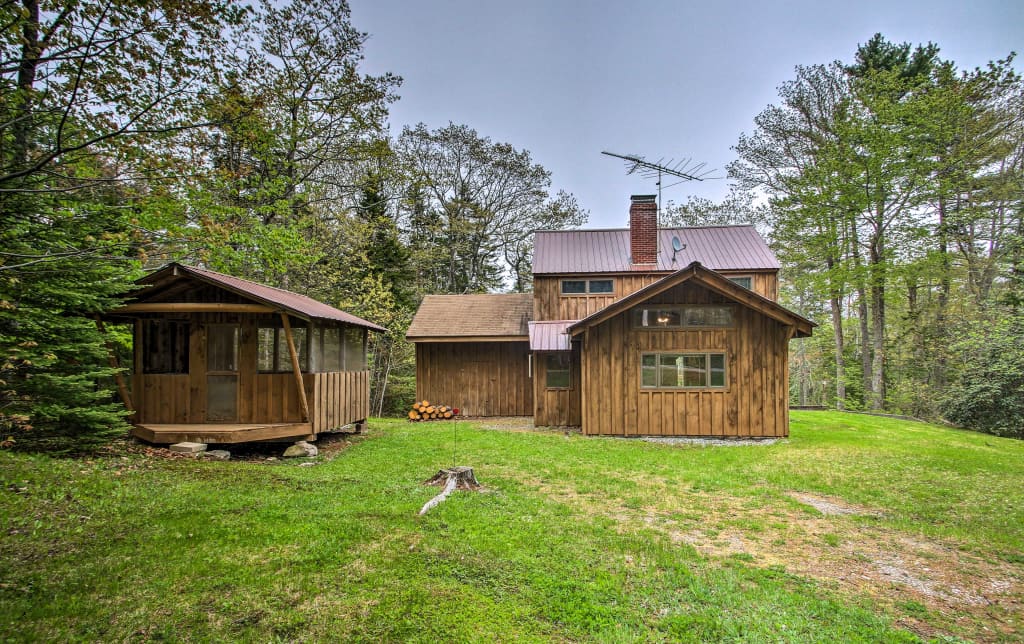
(222, 372)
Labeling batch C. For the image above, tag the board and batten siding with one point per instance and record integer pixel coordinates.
(556, 407)
(335, 398)
(550, 304)
(754, 402)
(478, 378)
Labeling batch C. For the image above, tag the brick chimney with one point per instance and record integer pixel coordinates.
(643, 229)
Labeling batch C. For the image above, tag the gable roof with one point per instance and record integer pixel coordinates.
(550, 335)
(711, 280)
(293, 303)
(720, 248)
(472, 317)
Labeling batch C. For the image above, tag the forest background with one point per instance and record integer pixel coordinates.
(246, 139)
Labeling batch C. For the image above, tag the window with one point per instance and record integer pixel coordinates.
(355, 353)
(165, 346)
(574, 287)
(583, 287)
(332, 349)
(266, 343)
(745, 282)
(676, 317)
(600, 286)
(222, 348)
(682, 370)
(557, 374)
(272, 353)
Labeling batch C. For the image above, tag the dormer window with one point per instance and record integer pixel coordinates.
(587, 287)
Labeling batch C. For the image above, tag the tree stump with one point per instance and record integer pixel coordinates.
(461, 478)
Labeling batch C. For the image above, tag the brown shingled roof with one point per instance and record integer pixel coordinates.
(472, 316)
(607, 251)
(299, 305)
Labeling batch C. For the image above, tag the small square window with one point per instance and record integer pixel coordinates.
(557, 372)
(745, 282)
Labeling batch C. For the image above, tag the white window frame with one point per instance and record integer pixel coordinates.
(676, 354)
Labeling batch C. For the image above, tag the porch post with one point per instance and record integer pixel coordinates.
(295, 366)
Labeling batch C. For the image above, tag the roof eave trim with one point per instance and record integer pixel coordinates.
(717, 283)
(467, 338)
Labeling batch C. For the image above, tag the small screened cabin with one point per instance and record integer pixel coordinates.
(218, 359)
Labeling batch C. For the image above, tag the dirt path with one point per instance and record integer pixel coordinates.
(938, 587)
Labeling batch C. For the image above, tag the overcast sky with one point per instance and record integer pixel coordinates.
(661, 79)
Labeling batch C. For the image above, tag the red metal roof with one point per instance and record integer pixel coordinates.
(550, 335)
(720, 248)
(294, 303)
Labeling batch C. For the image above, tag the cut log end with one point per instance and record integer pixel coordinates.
(464, 478)
(461, 478)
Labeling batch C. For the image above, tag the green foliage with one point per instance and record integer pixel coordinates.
(54, 359)
(894, 198)
(581, 539)
(91, 96)
(473, 205)
(989, 393)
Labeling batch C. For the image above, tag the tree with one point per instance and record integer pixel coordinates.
(795, 156)
(298, 120)
(89, 92)
(474, 204)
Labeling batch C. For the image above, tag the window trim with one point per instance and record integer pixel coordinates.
(547, 371)
(682, 352)
(733, 278)
(586, 287)
(682, 317)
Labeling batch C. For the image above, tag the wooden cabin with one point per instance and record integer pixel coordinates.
(643, 331)
(218, 359)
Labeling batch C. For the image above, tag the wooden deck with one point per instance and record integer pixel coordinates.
(223, 432)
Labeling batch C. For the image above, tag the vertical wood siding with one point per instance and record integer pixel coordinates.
(335, 398)
(550, 304)
(478, 378)
(754, 403)
(556, 407)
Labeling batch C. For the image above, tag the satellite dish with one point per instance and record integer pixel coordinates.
(676, 247)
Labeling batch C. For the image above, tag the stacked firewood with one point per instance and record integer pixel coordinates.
(423, 410)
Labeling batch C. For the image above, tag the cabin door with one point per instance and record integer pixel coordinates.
(222, 372)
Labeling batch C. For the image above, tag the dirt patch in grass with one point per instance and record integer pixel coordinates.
(830, 506)
(518, 424)
(842, 545)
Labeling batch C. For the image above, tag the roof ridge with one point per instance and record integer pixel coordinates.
(626, 229)
(248, 281)
(474, 294)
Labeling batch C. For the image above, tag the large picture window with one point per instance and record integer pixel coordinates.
(682, 370)
(587, 287)
(557, 374)
(681, 317)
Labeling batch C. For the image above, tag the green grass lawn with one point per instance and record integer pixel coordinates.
(572, 538)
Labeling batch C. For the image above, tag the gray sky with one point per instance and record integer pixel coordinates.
(661, 79)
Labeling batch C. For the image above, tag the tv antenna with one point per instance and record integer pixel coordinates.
(685, 170)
